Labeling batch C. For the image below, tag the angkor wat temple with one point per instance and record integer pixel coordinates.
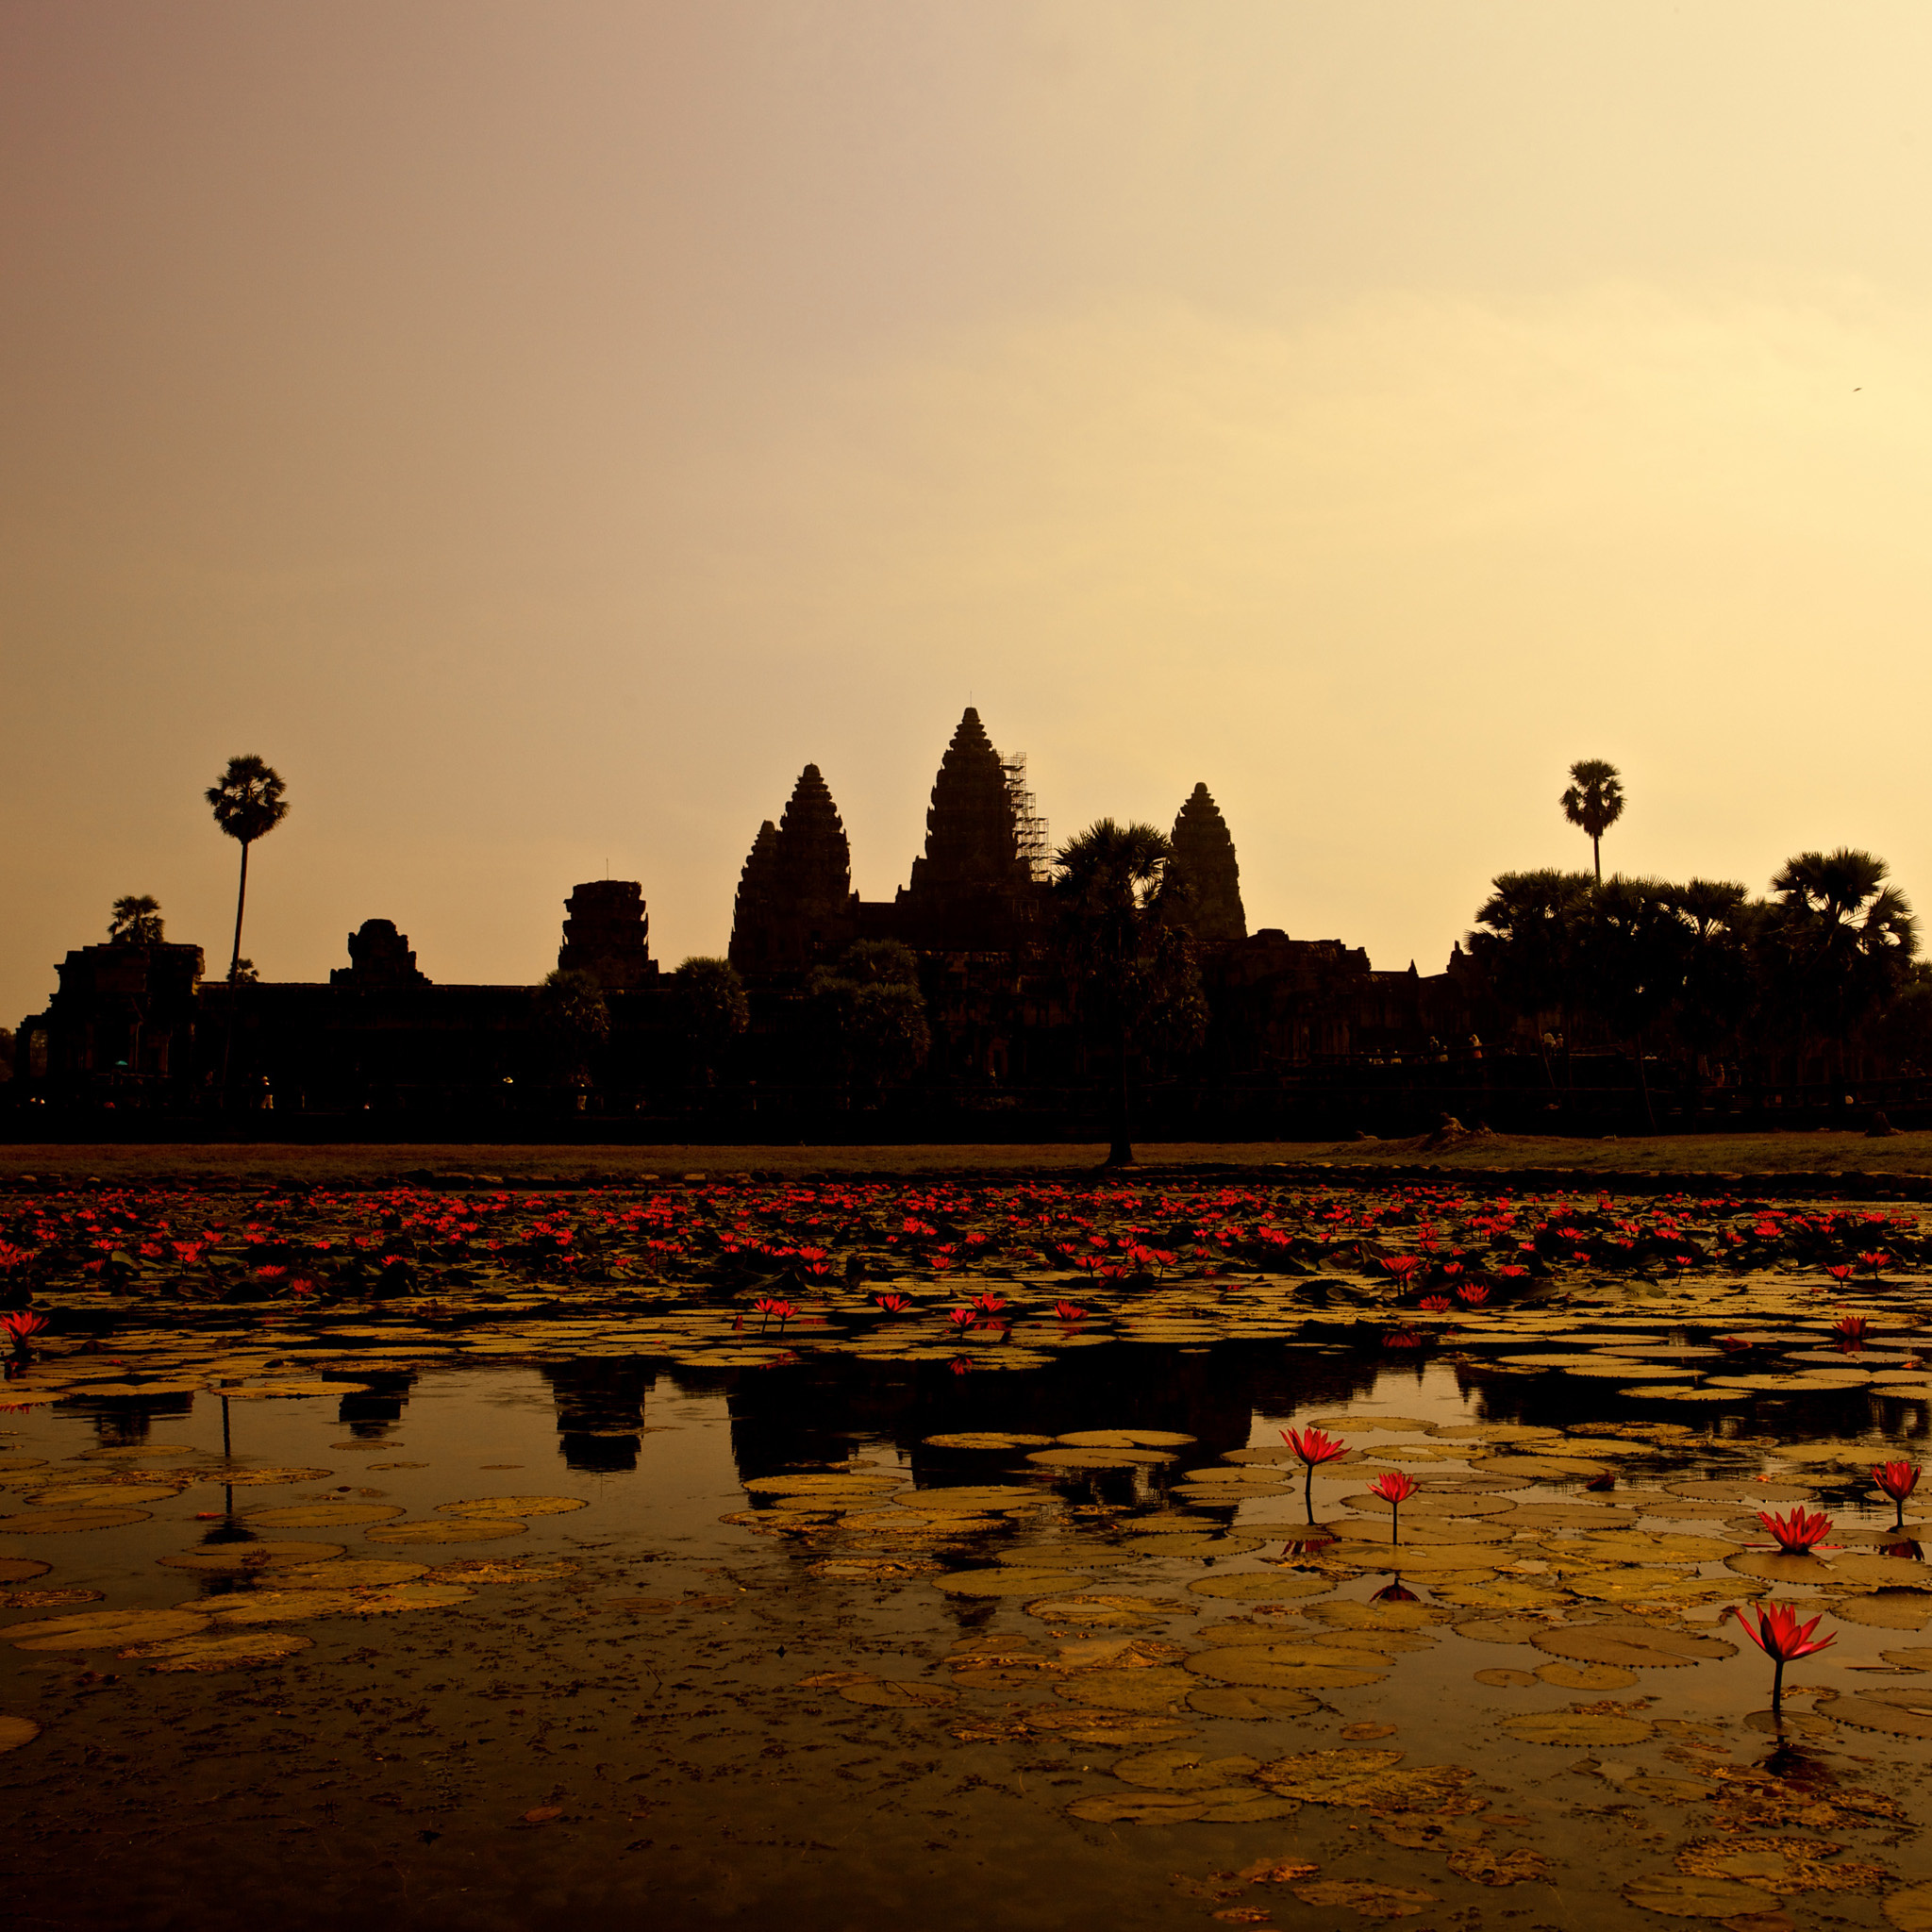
(139, 1025)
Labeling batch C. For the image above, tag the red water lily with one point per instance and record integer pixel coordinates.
(1781, 1638)
(1435, 1303)
(1314, 1447)
(1840, 1270)
(1402, 1266)
(989, 1303)
(1731, 1343)
(962, 1318)
(961, 1365)
(1801, 1530)
(894, 1304)
(1395, 1490)
(767, 1305)
(1471, 1293)
(1070, 1311)
(21, 1326)
(1898, 1480)
(1872, 1263)
(1849, 1329)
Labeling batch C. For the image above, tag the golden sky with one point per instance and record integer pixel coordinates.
(540, 431)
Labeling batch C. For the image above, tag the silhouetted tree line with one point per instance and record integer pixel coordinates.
(1702, 972)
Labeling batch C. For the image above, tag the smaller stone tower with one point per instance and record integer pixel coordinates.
(607, 933)
(1204, 856)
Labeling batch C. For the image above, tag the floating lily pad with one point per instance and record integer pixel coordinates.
(987, 1439)
(359, 1575)
(1138, 1807)
(240, 1651)
(1369, 1900)
(1289, 1666)
(1256, 1701)
(472, 1529)
(1683, 1895)
(16, 1731)
(1252, 1586)
(517, 1508)
(1176, 1770)
(1153, 1688)
(104, 1629)
(896, 1693)
(323, 1515)
(1578, 1727)
(63, 1522)
(21, 1569)
(1630, 1646)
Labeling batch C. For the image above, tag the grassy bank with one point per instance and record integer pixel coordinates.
(1824, 1154)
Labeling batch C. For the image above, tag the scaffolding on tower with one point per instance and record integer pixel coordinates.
(1029, 827)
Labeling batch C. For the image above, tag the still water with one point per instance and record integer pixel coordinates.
(613, 1642)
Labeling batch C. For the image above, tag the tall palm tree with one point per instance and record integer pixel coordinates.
(137, 921)
(1594, 803)
(248, 805)
(1843, 938)
(1133, 966)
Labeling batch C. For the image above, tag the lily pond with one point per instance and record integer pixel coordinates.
(1030, 1555)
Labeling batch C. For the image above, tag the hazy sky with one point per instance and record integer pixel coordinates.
(541, 431)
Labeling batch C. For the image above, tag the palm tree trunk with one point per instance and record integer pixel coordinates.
(234, 973)
(241, 901)
(1596, 853)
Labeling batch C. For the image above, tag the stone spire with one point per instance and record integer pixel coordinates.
(757, 901)
(814, 859)
(971, 840)
(1204, 855)
(794, 895)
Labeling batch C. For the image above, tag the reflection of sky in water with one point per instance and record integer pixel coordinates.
(660, 1459)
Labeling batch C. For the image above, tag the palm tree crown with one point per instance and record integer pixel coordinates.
(136, 921)
(1594, 803)
(248, 805)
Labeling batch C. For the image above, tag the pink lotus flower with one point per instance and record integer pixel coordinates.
(1395, 1490)
(1781, 1638)
(1898, 1480)
(1798, 1532)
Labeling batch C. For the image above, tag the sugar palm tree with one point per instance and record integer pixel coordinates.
(1842, 938)
(136, 921)
(1132, 965)
(248, 805)
(1594, 803)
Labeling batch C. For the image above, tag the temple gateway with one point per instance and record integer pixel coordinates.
(139, 1025)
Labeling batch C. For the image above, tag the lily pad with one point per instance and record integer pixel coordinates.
(517, 1508)
(1369, 1900)
(240, 1651)
(1578, 1727)
(1685, 1895)
(896, 1693)
(1253, 1586)
(1003, 1582)
(1253, 1702)
(473, 1529)
(323, 1515)
(1138, 1807)
(104, 1629)
(1182, 1770)
(222, 1558)
(16, 1731)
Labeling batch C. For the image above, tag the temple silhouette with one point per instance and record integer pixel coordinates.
(140, 1025)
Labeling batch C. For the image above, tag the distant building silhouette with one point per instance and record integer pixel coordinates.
(607, 933)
